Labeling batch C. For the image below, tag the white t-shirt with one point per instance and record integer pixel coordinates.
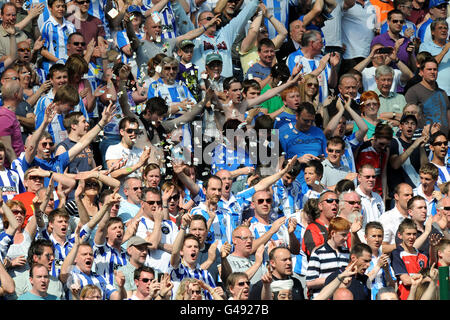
(368, 79)
(332, 28)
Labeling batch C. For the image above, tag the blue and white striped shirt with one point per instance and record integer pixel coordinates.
(309, 65)
(97, 9)
(56, 36)
(10, 184)
(223, 225)
(167, 17)
(287, 199)
(5, 242)
(281, 238)
(178, 274)
(107, 259)
(76, 275)
(56, 127)
(61, 251)
(379, 281)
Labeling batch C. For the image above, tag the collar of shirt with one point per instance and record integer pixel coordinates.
(56, 23)
(3, 32)
(378, 92)
(359, 191)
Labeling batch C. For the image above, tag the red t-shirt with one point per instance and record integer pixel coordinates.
(368, 155)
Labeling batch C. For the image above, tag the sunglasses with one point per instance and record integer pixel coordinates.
(370, 177)
(174, 197)
(331, 200)
(35, 178)
(398, 21)
(310, 84)
(130, 131)
(196, 291)
(441, 6)
(137, 188)
(334, 150)
(242, 283)
(79, 44)
(18, 212)
(152, 202)
(168, 68)
(23, 49)
(261, 201)
(440, 143)
(446, 208)
(146, 280)
(208, 18)
(50, 144)
(246, 238)
(92, 185)
(84, 2)
(352, 203)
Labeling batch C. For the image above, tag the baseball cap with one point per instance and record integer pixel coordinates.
(213, 57)
(407, 117)
(435, 3)
(186, 43)
(136, 241)
(134, 8)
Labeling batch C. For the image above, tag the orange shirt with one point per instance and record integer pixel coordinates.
(382, 8)
(27, 199)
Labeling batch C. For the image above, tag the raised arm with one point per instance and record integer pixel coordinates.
(31, 147)
(107, 116)
(252, 34)
(13, 224)
(270, 180)
(101, 218)
(178, 243)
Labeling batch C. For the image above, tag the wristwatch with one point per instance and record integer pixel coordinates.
(393, 115)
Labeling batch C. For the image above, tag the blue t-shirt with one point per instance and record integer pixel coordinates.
(29, 296)
(258, 71)
(295, 142)
(284, 118)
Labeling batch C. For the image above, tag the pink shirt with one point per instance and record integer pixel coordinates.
(10, 126)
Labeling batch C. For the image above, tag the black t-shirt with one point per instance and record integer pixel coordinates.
(358, 285)
(397, 176)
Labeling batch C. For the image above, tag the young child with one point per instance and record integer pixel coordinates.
(55, 32)
(187, 71)
(407, 260)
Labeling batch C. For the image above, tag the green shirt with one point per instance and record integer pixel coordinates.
(272, 104)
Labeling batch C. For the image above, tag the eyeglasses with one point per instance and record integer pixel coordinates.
(168, 68)
(50, 144)
(445, 208)
(130, 131)
(352, 203)
(246, 238)
(334, 150)
(331, 200)
(261, 201)
(398, 21)
(152, 202)
(208, 18)
(145, 280)
(18, 212)
(440, 143)
(23, 49)
(372, 105)
(310, 84)
(175, 197)
(196, 291)
(137, 188)
(79, 44)
(308, 121)
(242, 283)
